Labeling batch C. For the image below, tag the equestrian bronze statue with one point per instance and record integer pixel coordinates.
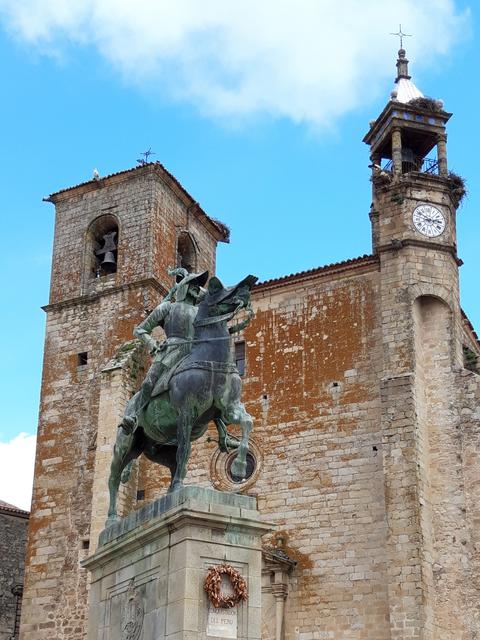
(192, 381)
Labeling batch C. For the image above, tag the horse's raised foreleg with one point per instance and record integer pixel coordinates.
(239, 415)
(184, 431)
(225, 440)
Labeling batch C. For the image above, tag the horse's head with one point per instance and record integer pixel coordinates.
(220, 300)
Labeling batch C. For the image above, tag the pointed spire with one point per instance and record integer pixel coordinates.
(404, 90)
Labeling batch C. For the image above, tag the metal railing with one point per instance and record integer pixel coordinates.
(422, 165)
(430, 165)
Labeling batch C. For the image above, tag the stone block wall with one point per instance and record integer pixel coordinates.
(312, 362)
(441, 486)
(13, 539)
(421, 349)
(468, 432)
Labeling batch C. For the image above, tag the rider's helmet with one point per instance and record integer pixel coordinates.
(198, 279)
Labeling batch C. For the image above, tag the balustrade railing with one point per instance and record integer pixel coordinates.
(422, 165)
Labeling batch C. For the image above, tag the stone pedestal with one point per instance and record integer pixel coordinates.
(148, 571)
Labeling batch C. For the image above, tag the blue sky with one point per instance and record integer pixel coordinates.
(259, 112)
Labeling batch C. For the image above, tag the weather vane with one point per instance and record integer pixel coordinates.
(401, 35)
(146, 154)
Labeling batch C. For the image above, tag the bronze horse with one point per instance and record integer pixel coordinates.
(206, 386)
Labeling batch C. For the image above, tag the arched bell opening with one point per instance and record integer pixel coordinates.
(186, 252)
(101, 247)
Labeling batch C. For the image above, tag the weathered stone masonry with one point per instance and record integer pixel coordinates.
(13, 540)
(367, 424)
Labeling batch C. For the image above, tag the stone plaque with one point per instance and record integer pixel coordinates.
(222, 623)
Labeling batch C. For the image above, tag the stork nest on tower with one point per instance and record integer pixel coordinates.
(427, 104)
(457, 186)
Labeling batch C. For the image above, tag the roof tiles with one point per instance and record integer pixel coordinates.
(7, 507)
(364, 260)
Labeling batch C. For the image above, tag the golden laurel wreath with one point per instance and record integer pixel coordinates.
(213, 584)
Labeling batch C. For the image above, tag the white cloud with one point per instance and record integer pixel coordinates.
(307, 60)
(17, 459)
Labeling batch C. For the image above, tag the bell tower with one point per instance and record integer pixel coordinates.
(409, 168)
(413, 216)
(115, 237)
(415, 196)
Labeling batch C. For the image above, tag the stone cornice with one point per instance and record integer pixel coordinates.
(415, 178)
(171, 515)
(396, 245)
(383, 120)
(277, 560)
(89, 298)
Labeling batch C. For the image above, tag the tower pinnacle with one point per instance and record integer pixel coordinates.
(402, 66)
(404, 90)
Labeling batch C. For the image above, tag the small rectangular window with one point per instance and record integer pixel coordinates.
(82, 359)
(240, 357)
(141, 494)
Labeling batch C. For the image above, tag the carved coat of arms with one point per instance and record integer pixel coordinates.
(132, 619)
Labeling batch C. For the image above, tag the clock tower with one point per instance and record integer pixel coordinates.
(413, 216)
(414, 203)
(414, 195)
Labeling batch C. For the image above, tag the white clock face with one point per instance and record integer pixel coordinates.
(428, 220)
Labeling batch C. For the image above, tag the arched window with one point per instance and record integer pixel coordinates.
(101, 249)
(186, 252)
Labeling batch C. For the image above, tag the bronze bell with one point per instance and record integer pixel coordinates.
(108, 263)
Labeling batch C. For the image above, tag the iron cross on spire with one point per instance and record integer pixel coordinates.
(401, 35)
(146, 154)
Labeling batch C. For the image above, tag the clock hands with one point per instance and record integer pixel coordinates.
(430, 220)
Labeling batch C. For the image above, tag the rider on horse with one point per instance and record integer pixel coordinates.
(176, 319)
(192, 382)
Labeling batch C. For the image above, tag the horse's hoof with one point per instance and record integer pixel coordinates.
(111, 520)
(238, 468)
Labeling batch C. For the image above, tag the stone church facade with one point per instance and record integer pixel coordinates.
(365, 450)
